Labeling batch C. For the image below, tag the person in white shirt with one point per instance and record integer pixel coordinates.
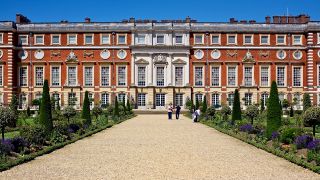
(170, 109)
(197, 114)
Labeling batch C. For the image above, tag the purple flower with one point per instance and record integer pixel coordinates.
(314, 145)
(303, 141)
(6, 146)
(275, 135)
(246, 128)
(18, 144)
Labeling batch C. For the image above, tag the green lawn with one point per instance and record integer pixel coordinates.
(12, 134)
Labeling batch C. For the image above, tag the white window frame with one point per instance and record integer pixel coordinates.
(318, 37)
(264, 96)
(252, 76)
(19, 80)
(301, 76)
(284, 40)
(27, 39)
(202, 79)
(84, 76)
(175, 75)
(109, 79)
(235, 39)
(164, 38)
(145, 39)
(35, 75)
(266, 35)
(230, 103)
(52, 43)
(175, 39)
(211, 78)
(244, 39)
(216, 35)
(74, 101)
(293, 40)
(101, 37)
(120, 100)
(1, 75)
(35, 39)
(164, 77)
(236, 76)
(248, 99)
(318, 77)
(196, 99)
(107, 98)
(75, 75)
(202, 38)
(285, 76)
(125, 36)
(268, 84)
(145, 75)
(52, 76)
(213, 99)
(1, 39)
(92, 40)
(125, 80)
(68, 39)
(141, 102)
(176, 99)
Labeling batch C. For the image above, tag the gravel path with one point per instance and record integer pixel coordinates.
(151, 147)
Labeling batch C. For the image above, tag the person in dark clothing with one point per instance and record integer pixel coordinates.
(178, 108)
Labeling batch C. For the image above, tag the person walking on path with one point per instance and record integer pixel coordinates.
(178, 108)
(170, 109)
(197, 114)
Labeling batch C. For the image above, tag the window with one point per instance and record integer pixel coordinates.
(198, 97)
(72, 99)
(297, 40)
(297, 100)
(319, 77)
(160, 76)
(160, 39)
(198, 39)
(281, 39)
(264, 98)
(122, 97)
(122, 39)
(1, 75)
(141, 39)
(179, 99)
(141, 76)
(281, 76)
(215, 39)
(56, 98)
(231, 76)
(55, 39)
(88, 76)
(23, 76)
(160, 99)
(230, 99)
(232, 39)
(72, 39)
(105, 38)
(39, 39)
(178, 76)
(281, 97)
(247, 99)
(1, 99)
(105, 76)
(121, 76)
(319, 43)
(39, 76)
(179, 39)
(248, 39)
(141, 99)
(264, 40)
(297, 76)
(22, 101)
(91, 100)
(88, 39)
(215, 100)
(72, 76)
(248, 76)
(198, 76)
(215, 76)
(264, 76)
(1, 38)
(23, 40)
(104, 99)
(55, 76)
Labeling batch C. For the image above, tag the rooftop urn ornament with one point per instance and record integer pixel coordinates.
(72, 57)
(248, 58)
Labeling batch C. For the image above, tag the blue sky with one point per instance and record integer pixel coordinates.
(116, 10)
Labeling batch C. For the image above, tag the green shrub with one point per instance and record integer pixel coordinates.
(211, 111)
(57, 137)
(86, 109)
(34, 134)
(225, 112)
(306, 101)
(236, 109)
(45, 109)
(288, 135)
(273, 111)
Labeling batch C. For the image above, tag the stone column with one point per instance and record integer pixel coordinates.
(169, 72)
(133, 70)
(150, 71)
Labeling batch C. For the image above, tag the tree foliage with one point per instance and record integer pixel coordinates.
(45, 109)
(306, 101)
(225, 111)
(86, 109)
(204, 105)
(6, 117)
(273, 111)
(69, 112)
(236, 109)
(14, 104)
(211, 111)
(252, 112)
(311, 118)
(262, 108)
(97, 111)
(116, 107)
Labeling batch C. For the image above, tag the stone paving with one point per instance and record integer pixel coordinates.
(151, 147)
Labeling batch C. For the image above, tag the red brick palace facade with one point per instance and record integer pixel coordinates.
(155, 63)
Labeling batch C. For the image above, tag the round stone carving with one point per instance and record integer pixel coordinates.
(105, 54)
(1, 53)
(281, 54)
(39, 54)
(215, 54)
(198, 54)
(297, 55)
(23, 54)
(122, 54)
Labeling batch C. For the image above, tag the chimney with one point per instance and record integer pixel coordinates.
(21, 19)
(291, 19)
(64, 21)
(252, 21)
(132, 20)
(243, 21)
(268, 20)
(87, 20)
(304, 18)
(188, 19)
(232, 20)
(283, 19)
(276, 19)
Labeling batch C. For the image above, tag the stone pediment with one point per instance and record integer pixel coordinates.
(179, 61)
(142, 61)
(248, 58)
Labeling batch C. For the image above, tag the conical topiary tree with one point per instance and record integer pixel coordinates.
(262, 108)
(14, 107)
(124, 105)
(45, 108)
(116, 107)
(236, 110)
(86, 109)
(273, 111)
(197, 104)
(129, 106)
(204, 105)
(306, 101)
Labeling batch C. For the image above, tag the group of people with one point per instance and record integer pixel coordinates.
(195, 114)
